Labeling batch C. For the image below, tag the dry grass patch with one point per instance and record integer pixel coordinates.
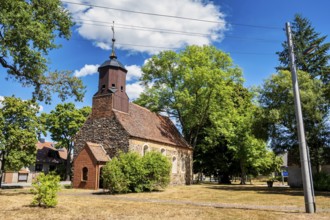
(180, 202)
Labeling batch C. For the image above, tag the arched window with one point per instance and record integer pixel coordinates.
(163, 151)
(84, 174)
(145, 149)
(183, 164)
(174, 165)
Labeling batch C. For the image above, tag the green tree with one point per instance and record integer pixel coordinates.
(239, 135)
(278, 102)
(185, 85)
(18, 135)
(315, 63)
(63, 123)
(45, 188)
(28, 29)
(203, 90)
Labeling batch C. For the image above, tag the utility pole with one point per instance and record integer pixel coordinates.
(304, 154)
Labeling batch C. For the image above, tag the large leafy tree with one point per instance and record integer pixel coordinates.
(277, 100)
(185, 85)
(238, 138)
(63, 123)
(19, 126)
(28, 29)
(315, 63)
(203, 90)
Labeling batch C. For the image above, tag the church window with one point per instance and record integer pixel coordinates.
(113, 85)
(183, 164)
(163, 151)
(122, 88)
(84, 174)
(145, 149)
(174, 165)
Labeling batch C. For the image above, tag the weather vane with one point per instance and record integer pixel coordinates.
(113, 54)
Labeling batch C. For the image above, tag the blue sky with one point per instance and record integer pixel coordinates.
(251, 31)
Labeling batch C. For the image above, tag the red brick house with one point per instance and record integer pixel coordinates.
(116, 125)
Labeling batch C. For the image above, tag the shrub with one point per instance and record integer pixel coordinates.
(130, 172)
(322, 181)
(45, 188)
(113, 177)
(157, 171)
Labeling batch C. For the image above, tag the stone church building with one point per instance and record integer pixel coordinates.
(116, 125)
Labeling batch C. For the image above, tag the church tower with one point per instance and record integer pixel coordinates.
(111, 92)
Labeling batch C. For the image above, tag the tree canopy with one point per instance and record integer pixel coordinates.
(316, 63)
(28, 29)
(19, 126)
(186, 85)
(203, 90)
(63, 123)
(277, 100)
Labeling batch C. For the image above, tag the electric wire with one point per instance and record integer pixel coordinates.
(175, 48)
(165, 31)
(172, 16)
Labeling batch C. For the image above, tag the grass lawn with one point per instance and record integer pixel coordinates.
(205, 201)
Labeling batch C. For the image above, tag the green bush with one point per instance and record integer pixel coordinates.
(132, 173)
(113, 177)
(157, 171)
(45, 188)
(321, 181)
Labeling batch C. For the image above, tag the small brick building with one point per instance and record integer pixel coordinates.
(117, 125)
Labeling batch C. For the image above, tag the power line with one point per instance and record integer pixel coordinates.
(176, 48)
(171, 16)
(166, 31)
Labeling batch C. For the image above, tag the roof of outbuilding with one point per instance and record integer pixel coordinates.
(142, 123)
(98, 152)
(43, 149)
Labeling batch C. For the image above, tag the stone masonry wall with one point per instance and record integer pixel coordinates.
(182, 172)
(105, 131)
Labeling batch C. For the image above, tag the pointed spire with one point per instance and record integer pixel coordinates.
(113, 54)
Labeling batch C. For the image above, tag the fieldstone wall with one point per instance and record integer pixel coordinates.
(105, 131)
(182, 172)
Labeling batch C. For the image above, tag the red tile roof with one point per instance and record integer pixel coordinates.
(43, 149)
(142, 123)
(98, 152)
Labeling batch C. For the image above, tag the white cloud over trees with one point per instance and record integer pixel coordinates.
(132, 29)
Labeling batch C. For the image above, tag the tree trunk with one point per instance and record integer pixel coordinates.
(2, 168)
(68, 165)
(243, 173)
(224, 178)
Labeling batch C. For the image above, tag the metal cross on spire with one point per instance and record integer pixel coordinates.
(113, 54)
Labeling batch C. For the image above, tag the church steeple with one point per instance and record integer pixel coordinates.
(112, 85)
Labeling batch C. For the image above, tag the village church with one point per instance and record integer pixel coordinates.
(116, 125)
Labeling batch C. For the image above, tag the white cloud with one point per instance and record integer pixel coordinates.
(134, 90)
(41, 108)
(134, 72)
(131, 28)
(86, 70)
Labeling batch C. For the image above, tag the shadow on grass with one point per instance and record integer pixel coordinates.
(266, 190)
(106, 192)
(14, 193)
